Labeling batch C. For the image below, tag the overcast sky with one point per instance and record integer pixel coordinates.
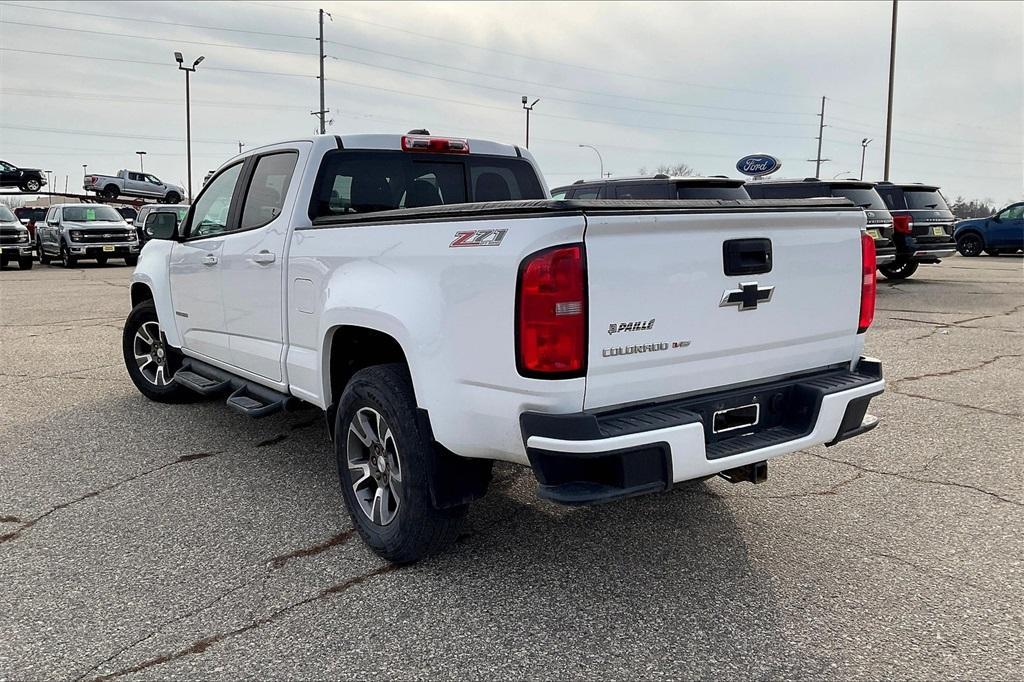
(696, 82)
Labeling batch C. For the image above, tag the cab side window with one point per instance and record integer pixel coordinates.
(586, 193)
(210, 215)
(265, 197)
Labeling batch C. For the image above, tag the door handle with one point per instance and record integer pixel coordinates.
(264, 257)
(210, 259)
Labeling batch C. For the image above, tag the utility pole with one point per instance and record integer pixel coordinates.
(322, 112)
(821, 134)
(528, 110)
(863, 152)
(240, 145)
(892, 74)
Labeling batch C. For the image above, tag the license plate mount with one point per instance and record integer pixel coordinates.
(733, 418)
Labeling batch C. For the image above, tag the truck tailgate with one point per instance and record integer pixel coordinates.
(665, 319)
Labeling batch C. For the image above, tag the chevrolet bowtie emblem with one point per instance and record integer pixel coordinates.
(747, 296)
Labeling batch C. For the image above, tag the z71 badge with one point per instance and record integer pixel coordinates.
(478, 238)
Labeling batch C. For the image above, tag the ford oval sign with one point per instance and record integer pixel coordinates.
(757, 165)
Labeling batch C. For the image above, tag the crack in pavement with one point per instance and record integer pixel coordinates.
(953, 372)
(58, 375)
(273, 440)
(906, 477)
(313, 550)
(9, 519)
(13, 535)
(201, 645)
(1015, 309)
(953, 403)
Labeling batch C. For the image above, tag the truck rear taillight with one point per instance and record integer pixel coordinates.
(903, 224)
(437, 145)
(551, 314)
(868, 282)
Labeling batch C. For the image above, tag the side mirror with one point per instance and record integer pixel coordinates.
(53, 223)
(161, 225)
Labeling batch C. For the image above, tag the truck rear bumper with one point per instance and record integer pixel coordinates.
(595, 457)
(885, 254)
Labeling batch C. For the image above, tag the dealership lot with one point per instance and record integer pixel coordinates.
(144, 540)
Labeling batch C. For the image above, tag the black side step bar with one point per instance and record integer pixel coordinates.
(246, 397)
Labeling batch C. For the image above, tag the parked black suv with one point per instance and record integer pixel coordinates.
(25, 179)
(654, 187)
(923, 226)
(879, 221)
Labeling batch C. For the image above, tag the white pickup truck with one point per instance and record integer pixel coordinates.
(443, 312)
(133, 184)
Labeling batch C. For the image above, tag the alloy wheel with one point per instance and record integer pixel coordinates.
(151, 354)
(374, 466)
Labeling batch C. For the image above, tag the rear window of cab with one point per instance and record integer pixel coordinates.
(352, 182)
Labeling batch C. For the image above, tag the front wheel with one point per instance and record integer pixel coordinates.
(25, 262)
(131, 260)
(150, 362)
(43, 258)
(172, 198)
(970, 245)
(66, 259)
(31, 186)
(900, 269)
(383, 461)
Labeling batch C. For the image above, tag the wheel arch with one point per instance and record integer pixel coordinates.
(140, 292)
(349, 348)
(970, 230)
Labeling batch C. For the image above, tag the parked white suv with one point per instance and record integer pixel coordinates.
(444, 313)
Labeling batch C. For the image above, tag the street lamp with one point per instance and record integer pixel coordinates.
(600, 160)
(863, 152)
(49, 188)
(141, 154)
(188, 115)
(528, 110)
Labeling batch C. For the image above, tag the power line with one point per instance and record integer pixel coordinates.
(146, 100)
(573, 101)
(177, 41)
(156, 21)
(96, 133)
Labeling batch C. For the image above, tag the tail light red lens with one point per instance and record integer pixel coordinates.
(551, 314)
(437, 145)
(868, 282)
(903, 224)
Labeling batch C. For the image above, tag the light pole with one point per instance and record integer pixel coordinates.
(863, 152)
(141, 154)
(188, 115)
(240, 145)
(599, 159)
(528, 110)
(892, 79)
(85, 170)
(49, 188)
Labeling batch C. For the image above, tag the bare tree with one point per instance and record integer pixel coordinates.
(676, 169)
(12, 202)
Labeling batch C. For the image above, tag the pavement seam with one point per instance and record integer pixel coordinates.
(201, 645)
(953, 403)
(953, 372)
(13, 535)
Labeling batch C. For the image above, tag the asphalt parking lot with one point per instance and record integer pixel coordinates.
(147, 541)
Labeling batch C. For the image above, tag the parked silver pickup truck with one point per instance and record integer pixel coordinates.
(133, 184)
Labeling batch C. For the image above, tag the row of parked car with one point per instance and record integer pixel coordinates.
(68, 233)
(910, 222)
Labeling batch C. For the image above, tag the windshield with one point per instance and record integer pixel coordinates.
(706, 191)
(91, 214)
(6, 216)
(865, 197)
(925, 199)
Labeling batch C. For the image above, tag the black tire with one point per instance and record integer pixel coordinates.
(131, 260)
(101, 260)
(43, 258)
(3, 262)
(970, 245)
(25, 262)
(32, 185)
(66, 259)
(899, 269)
(993, 252)
(110, 192)
(172, 198)
(416, 529)
(165, 391)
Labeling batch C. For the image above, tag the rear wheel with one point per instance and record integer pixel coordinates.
(110, 191)
(970, 245)
(3, 262)
(383, 461)
(43, 258)
(150, 362)
(172, 198)
(131, 260)
(25, 262)
(900, 269)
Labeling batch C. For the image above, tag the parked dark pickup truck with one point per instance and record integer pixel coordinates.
(922, 226)
(999, 233)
